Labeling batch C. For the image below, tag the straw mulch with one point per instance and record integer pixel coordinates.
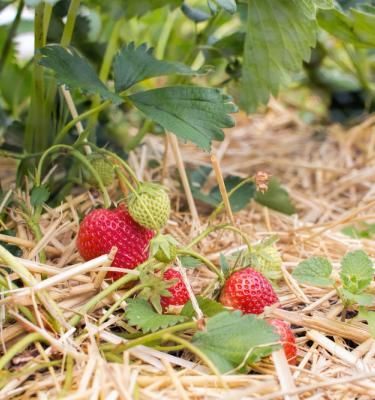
(330, 175)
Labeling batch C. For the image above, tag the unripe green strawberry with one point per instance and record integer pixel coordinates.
(150, 205)
(103, 167)
(267, 261)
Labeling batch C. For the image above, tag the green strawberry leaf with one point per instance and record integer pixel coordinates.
(356, 27)
(324, 4)
(135, 64)
(314, 271)
(189, 262)
(224, 265)
(280, 35)
(369, 316)
(276, 198)
(231, 339)
(365, 230)
(140, 313)
(75, 72)
(239, 199)
(356, 271)
(130, 9)
(362, 299)
(39, 195)
(209, 307)
(193, 113)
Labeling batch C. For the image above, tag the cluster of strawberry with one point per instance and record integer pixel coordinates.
(132, 229)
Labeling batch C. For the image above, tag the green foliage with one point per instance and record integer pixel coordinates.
(75, 72)
(238, 199)
(209, 307)
(39, 195)
(140, 313)
(364, 230)
(135, 64)
(276, 198)
(314, 271)
(189, 262)
(279, 37)
(356, 276)
(232, 339)
(130, 9)
(193, 113)
(224, 265)
(356, 271)
(362, 299)
(369, 316)
(356, 27)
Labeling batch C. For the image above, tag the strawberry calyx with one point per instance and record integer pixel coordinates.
(164, 248)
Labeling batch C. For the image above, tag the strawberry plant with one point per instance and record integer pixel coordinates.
(356, 275)
(103, 75)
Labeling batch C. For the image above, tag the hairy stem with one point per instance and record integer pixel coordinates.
(211, 266)
(70, 23)
(152, 336)
(11, 33)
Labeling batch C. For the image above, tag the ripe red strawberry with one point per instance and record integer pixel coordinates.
(102, 229)
(249, 291)
(287, 339)
(179, 293)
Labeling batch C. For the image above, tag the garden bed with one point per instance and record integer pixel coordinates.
(329, 173)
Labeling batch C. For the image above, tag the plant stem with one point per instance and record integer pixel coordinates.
(199, 353)
(152, 336)
(46, 20)
(29, 280)
(106, 292)
(94, 173)
(205, 233)
(20, 346)
(167, 349)
(220, 207)
(105, 69)
(12, 31)
(38, 108)
(138, 137)
(61, 135)
(70, 23)
(68, 373)
(207, 262)
(114, 306)
(122, 162)
(75, 153)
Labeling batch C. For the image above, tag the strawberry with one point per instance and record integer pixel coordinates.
(103, 167)
(249, 291)
(287, 339)
(150, 205)
(179, 293)
(102, 229)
